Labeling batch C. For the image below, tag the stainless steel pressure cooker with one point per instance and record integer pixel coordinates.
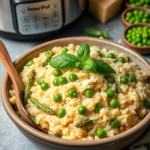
(32, 19)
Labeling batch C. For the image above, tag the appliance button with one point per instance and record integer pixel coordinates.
(36, 26)
(55, 23)
(26, 24)
(46, 24)
(35, 18)
(26, 29)
(55, 19)
(25, 19)
(23, 11)
(54, 14)
(45, 17)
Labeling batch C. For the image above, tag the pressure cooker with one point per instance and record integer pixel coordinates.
(33, 19)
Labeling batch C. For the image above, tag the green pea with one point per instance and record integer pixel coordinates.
(139, 44)
(135, 12)
(128, 36)
(144, 20)
(97, 107)
(110, 93)
(110, 80)
(146, 15)
(114, 123)
(101, 133)
(139, 28)
(113, 103)
(40, 80)
(129, 14)
(129, 31)
(111, 55)
(133, 42)
(144, 41)
(47, 54)
(141, 13)
(82, 110)
(138, 40)
(57, 73)
(145, 28)
(121, 59)
(89, 93)
(55, 82)
(29, 63)
(129, 40)
(57, 98)
(62, 80)
(124, 80)
(73, 77)
(146, 103)
(138, 35)
(145, 35)
(145, 5)
(61, 113)
(133, 29)
(44, 86)
(65, 50)
(72, 93)
(132, 77)
(148, 43)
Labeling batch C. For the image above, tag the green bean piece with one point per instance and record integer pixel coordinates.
(118, 89)
(44, 108)
(28, 86)
(84, 123)
(45, 63)
(34, 120)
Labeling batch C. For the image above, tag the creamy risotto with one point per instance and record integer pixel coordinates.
(83, 105)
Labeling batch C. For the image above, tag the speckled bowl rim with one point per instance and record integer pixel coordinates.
(47, 138)
(131, 9)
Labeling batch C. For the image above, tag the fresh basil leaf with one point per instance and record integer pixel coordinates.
(103, 67)
(90, 66)
(64, 61)
(93, 32)
(80, 65)
(106, 35)
(83, 53)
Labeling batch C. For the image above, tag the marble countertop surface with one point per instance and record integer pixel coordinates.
(10, 137)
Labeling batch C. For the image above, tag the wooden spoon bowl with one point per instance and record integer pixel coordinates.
(18, 84)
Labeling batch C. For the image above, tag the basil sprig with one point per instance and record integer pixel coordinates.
(82, 61)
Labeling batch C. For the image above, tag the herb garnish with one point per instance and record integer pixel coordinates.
(96, 33)
(82, 61)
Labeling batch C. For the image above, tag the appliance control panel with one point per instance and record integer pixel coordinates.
(39, 17)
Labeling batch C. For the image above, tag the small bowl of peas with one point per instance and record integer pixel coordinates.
(137, 37)
(135, 15)
(137, 3)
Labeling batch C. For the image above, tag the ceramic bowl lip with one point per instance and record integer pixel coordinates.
(129, 6)
(130, 9)
(45, 137)
(131, 45)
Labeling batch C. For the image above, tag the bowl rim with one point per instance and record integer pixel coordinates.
(57, 141)
(131, 45)
(130, 9)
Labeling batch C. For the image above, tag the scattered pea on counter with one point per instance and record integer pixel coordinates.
(137, 16)
(139, 36)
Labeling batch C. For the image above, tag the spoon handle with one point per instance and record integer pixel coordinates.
(6, 60)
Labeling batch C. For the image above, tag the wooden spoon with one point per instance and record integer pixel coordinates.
(18, 84)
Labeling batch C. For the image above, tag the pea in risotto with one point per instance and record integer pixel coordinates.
(84, 93)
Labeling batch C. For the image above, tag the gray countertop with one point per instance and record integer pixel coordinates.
(10, 137)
